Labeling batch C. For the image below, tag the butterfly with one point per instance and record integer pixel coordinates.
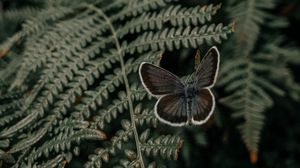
(182, 104)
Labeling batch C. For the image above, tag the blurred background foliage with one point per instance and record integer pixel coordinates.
(218, 143)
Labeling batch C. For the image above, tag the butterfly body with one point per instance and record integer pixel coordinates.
(182, 104)
(189, 96)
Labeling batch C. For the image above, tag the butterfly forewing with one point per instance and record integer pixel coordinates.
(206, 73)
(159, 81)
(202, 106)
(171, 109)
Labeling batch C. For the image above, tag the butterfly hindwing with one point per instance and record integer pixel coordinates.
(159, 81)
(171, 109)
(203, 105)
(207, 71)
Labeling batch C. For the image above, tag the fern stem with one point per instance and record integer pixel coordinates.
(124, 74)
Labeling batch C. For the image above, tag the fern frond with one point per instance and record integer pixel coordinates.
(284, 55)
(52, 163)
(105, 115)
(35, 25)
(19, 125)
(138, 7)
(176, 15)
(7, 119)
(165, 146)
(18, 15)
(95, 98)
(28, 142)
(50, 14)
(175, 38)
(91, 70)
(250, 94)
(66, 125)
(249, 15)
(54, 60)
(96, 160)
(249, 80)
(287, 53)
(63, 142)
(81, 82)
(145, 116)
(54, 88)
(117, 106)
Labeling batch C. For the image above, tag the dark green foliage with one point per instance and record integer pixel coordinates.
(81, 78)
(70, 95)
(259, 70)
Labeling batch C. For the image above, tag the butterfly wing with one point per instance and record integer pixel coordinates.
(203, 105)
(159, 81)
(207, 71)
(171, 109)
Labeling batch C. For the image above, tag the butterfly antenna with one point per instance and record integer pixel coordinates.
(160, 57)
(197, 63)
(197, 59)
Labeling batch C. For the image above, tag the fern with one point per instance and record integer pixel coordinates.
(174, 38)
(80, 74)
(176, 15)
(252, 79)
(19, 15)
